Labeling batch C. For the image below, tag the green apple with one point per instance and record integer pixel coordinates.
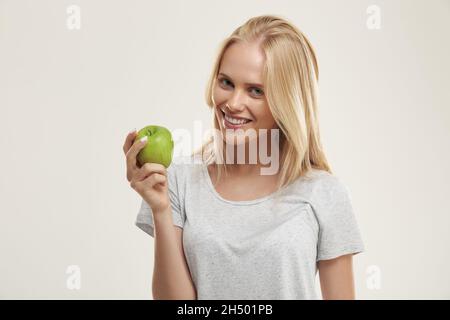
(159, 147)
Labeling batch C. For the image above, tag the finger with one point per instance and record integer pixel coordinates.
(149, 168)
(129, 141)
(133, 151)
(154, 179)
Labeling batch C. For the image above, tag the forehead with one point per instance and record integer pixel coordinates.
(243, 61)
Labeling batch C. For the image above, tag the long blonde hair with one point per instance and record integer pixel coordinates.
(290, 80)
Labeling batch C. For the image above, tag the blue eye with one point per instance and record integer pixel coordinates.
(254, 90)
(259, 91)
(222, 81)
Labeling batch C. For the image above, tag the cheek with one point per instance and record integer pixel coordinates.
(219, 95)
(264, 116)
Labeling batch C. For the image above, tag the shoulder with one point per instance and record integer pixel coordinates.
(322, 189)
(184, 163)
(318, 182)
(184, 168)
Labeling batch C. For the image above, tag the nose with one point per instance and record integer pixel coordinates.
(236, 103)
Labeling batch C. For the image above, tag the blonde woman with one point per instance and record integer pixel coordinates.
(224, 230)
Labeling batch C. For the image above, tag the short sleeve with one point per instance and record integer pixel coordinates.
(144, 219)
(339, 233)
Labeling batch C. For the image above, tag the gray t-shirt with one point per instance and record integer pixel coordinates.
(265, 248)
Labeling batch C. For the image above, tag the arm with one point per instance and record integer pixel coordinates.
(171, 276)
(336, 278)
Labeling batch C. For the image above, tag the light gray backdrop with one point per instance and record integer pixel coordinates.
(69, 95)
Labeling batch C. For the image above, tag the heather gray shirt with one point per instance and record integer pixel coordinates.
(265, 248)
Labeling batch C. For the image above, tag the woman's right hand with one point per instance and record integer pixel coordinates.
(149, 180)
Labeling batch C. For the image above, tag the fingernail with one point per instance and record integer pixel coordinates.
(144, 139)
(133, 131)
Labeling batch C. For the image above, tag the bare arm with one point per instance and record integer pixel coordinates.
(171, 276)
(336, 278)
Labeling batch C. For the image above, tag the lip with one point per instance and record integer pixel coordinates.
(237, 117)
(230, 125)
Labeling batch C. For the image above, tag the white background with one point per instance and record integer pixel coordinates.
(69, 97)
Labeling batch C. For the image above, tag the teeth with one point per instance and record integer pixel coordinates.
(235, 121)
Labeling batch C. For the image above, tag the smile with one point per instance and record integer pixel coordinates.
(233, 123)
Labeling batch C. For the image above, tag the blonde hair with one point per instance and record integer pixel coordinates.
(290, 79)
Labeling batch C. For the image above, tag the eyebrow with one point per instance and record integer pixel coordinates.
(250, 84)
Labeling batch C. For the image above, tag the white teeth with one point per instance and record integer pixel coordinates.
(235, 121)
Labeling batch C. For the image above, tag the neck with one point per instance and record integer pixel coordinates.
(264, 161)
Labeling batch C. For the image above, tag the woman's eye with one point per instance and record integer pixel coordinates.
(224, 82)
(258, 91)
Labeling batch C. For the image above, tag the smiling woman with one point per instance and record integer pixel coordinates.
(238, 95)
(243, 234)
(266, 72)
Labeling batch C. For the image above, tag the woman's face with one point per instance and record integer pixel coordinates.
(239, 85)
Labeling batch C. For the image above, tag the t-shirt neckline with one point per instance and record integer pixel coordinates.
(233, 202)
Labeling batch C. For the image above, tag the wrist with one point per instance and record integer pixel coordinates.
(162, 214)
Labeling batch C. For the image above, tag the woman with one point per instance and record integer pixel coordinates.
(223, 229)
